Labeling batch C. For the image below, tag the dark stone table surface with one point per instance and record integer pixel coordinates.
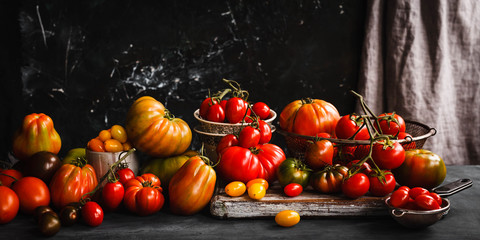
(462, 222)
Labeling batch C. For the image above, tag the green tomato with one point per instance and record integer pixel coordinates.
(165, 168)
(73, 155)
(292, 170)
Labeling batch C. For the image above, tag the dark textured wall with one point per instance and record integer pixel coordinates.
(83, 63)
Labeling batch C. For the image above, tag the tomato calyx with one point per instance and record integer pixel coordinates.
(380, 174)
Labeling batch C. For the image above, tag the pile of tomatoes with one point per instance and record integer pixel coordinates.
(114, 139)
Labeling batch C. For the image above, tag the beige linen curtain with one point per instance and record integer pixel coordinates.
(421, 59)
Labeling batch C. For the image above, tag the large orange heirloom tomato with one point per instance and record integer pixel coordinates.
(192, 186)
(143, 194)
(71, 182)
(153, 130)
(36, 134)
(309, 117)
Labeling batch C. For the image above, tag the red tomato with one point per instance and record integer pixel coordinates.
(7, 176)
(143, 195)
(399, 198)
(390, 124)
(409, 144)
(348, 125)
(356, 186)
(427, 202)
(243, 164)
(124, 174)
(32, 192)
(365, 168)
(92, 214)
(379, 187)
(227, 141)
(9, 204)
(319, 154)
(261, 109)
(265, 132)
(216, 113)
(236, 110)
(388, 157)
(223, 103)
(249, 137)
(206, 104)
(329, 179)
(293, 189)
(112, 195)
(416, 191)
(437, 198)
(361, 151)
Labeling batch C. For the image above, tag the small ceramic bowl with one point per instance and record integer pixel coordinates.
(418, 218)
(101, 162)
(226, 128)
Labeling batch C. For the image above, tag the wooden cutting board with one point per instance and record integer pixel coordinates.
(308, 204)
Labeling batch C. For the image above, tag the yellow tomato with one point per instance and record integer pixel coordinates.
(258, 180)
(104, 135)
(257, 191)
(127, 146)
(119, 133)
(113, 145)
(235, 189)
(287, 218)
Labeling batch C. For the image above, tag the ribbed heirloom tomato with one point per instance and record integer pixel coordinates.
(329, 179)
(143, 195)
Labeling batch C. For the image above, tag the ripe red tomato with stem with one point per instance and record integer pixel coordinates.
(388, 154)
(319, 154)
(390, 124)
(8, 176)
(381, 185)
(143, 195)
(124, 174)
(249, 137)
(92, 214)
(9, 204)
(236, 109)
(206, 104)
(350, 125)
(112, 195)
(293, 189)
(261, 109)
(356, 185)
(216, 113)
(265, 132)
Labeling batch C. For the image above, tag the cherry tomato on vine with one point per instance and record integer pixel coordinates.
(112, 195)
(249, 137)
(388, 157)
(390, 124)
(205, 105)
(235, 110)
(216, 113)
(265, 132)
(409, 144)
(380, 188)
(92, 214)
(348, 125)
(9, 204)
(287, 218)
(293, 189)
(124, 174)
(235, 189)
(356, 185)
(261, 109)
(9, 176)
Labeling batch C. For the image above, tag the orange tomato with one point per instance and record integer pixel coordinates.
(235, 189)
(287, 218)
(96, 145)
(104, 135)
(113, 145)
(258, 180)
(256, 191)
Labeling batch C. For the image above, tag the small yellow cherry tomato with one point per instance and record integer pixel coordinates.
(257, 191)
(235, 189)
(113, 145)
(287, 218)
(258, 180)
(104, 135)
(119, 133)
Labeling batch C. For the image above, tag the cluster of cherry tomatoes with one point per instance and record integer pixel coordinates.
(233, 110)
(113, 139)
(417, 198)
(256, 188)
